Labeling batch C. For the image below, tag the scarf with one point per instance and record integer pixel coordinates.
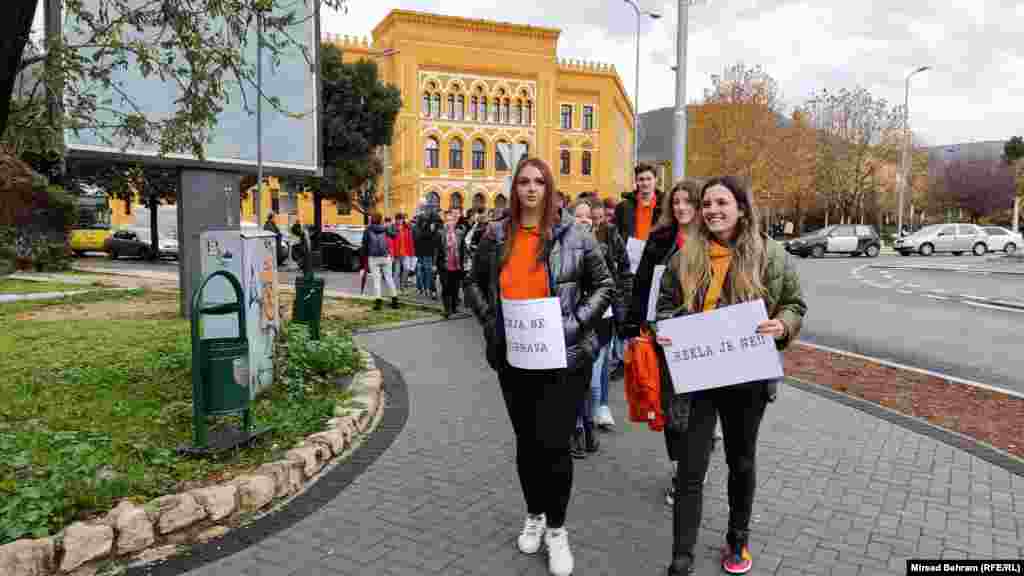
(721, 258)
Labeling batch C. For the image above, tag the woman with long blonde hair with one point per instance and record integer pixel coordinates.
(727, 260)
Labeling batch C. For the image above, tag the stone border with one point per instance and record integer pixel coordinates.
(203, 514)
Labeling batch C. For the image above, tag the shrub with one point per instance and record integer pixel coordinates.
(311, 362)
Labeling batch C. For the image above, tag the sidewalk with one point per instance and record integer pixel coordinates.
(840, 491)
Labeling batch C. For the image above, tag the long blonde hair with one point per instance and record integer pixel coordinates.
(746, 271)
(692, 187)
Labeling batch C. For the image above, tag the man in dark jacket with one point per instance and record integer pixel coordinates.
(427, 227)
(450, 259)
(636, 215)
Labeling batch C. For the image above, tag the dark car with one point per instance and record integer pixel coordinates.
(339, 250)
(852, 239)
(136, 242)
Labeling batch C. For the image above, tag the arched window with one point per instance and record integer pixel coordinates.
(455, 201)
(431, 150)
(435, 109)
(455, 154)
(426, 104)
(451, 106)
(519, 112)
(462, 107)
(483, 108)
(473, 110)
(505, 111)
(479, 200)
(565, 161)
(529, 112)
(586, 167)
(500, 202)
(479, 155)
(499, 161)
(433, 200)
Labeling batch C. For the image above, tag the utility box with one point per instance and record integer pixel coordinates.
(251, 257)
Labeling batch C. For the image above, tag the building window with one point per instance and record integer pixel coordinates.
(473, 103)
(529, 112)
(343, 208)
(586, 163)
(588, 117)
(435, 109)
(505, 111)
(499, 161)
(566, 117)
(434, 200)
(432, 152)
(479, 155)
(451, 106)
(462, 107)
(455, 202)
(426, 105)
(483, 108)
(479, 201)
(565, 161)
(455, 154)
(519, 112)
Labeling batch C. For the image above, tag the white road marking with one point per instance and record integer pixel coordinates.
(934, 297)
(972, 296)
(992, 307)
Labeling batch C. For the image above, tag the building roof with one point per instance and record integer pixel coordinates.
(475, 24)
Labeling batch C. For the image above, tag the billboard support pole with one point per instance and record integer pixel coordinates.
(259, 118)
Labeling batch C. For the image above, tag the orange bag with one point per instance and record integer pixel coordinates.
(643, 382)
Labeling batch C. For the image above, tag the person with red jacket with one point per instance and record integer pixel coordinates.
(404, 251)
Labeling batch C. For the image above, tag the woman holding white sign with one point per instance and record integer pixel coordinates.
(538, 288)
(728, 260)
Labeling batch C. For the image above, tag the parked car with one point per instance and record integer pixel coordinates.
(1003, 240)
(852, 239)
(136, 242)
(339, 248)
(952, 238)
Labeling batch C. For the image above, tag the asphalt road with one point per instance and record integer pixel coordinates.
(954, 323)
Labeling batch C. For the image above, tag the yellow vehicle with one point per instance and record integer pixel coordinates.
(92, 226)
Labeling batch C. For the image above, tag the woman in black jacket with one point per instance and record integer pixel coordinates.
(527, 257)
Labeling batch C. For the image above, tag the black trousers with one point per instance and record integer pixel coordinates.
(741, 408)
(542, 407)
(450, 283)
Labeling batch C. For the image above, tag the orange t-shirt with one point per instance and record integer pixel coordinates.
(523, 277)
(642, 225)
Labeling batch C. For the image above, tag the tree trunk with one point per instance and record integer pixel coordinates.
(14, 31)
(154, 235)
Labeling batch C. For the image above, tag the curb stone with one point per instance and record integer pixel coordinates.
(193, 516)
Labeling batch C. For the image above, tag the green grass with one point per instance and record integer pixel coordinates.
(13, 286)
(93, 411)
(364, 316)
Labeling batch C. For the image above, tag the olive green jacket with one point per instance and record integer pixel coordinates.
(784, 300)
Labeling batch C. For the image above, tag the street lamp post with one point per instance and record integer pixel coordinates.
(679, 131)
(905, 169)
(636, 72)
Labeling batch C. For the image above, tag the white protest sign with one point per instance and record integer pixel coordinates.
(607, 312)
(652, 297)
(533, 333)
(720, 348)
(635, 250)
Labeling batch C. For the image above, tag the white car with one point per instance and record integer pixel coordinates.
(1003, 240)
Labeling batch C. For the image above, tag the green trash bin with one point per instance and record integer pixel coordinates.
(309, 303)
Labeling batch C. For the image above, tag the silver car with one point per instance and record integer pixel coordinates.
(952, 238)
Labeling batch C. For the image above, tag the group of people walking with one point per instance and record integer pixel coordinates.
(598, 269)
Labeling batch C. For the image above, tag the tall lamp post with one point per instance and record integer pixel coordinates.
(636, 90)
(905, 169)
(679, 130)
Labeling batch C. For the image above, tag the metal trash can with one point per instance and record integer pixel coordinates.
(309, 303)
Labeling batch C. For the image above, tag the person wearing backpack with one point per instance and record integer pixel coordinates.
(523, 261)
(726, 260)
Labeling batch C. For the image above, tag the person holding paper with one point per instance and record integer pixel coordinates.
(727, 260)
(529, 264)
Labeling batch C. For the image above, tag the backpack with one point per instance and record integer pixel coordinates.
(643, 382)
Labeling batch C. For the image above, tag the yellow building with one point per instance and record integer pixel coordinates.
(468, 85)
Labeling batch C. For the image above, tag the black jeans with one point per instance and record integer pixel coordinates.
(740, 408)
(450, 282)
(542, 407)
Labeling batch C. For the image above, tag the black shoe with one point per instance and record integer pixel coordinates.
(576, 445)
(590, 442)
(681, 566)
(445, 315)
(394, 302)
(377, 304)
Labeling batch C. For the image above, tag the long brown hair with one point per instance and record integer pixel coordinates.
(692, 188)
(549, 207)
(746, 271)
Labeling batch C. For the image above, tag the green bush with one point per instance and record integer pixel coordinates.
(310, 362)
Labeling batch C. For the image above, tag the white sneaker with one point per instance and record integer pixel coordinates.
(604, 417)
(533, 529)
(560, 561)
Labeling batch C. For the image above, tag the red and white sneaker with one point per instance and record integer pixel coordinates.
(736, 561)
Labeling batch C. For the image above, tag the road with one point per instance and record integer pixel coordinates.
(954, 323)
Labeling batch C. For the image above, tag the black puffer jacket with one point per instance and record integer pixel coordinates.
(617, 259)
(661, 245)
(577, 275)
(375, 240)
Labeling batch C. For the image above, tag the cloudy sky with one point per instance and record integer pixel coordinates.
(974, 92)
